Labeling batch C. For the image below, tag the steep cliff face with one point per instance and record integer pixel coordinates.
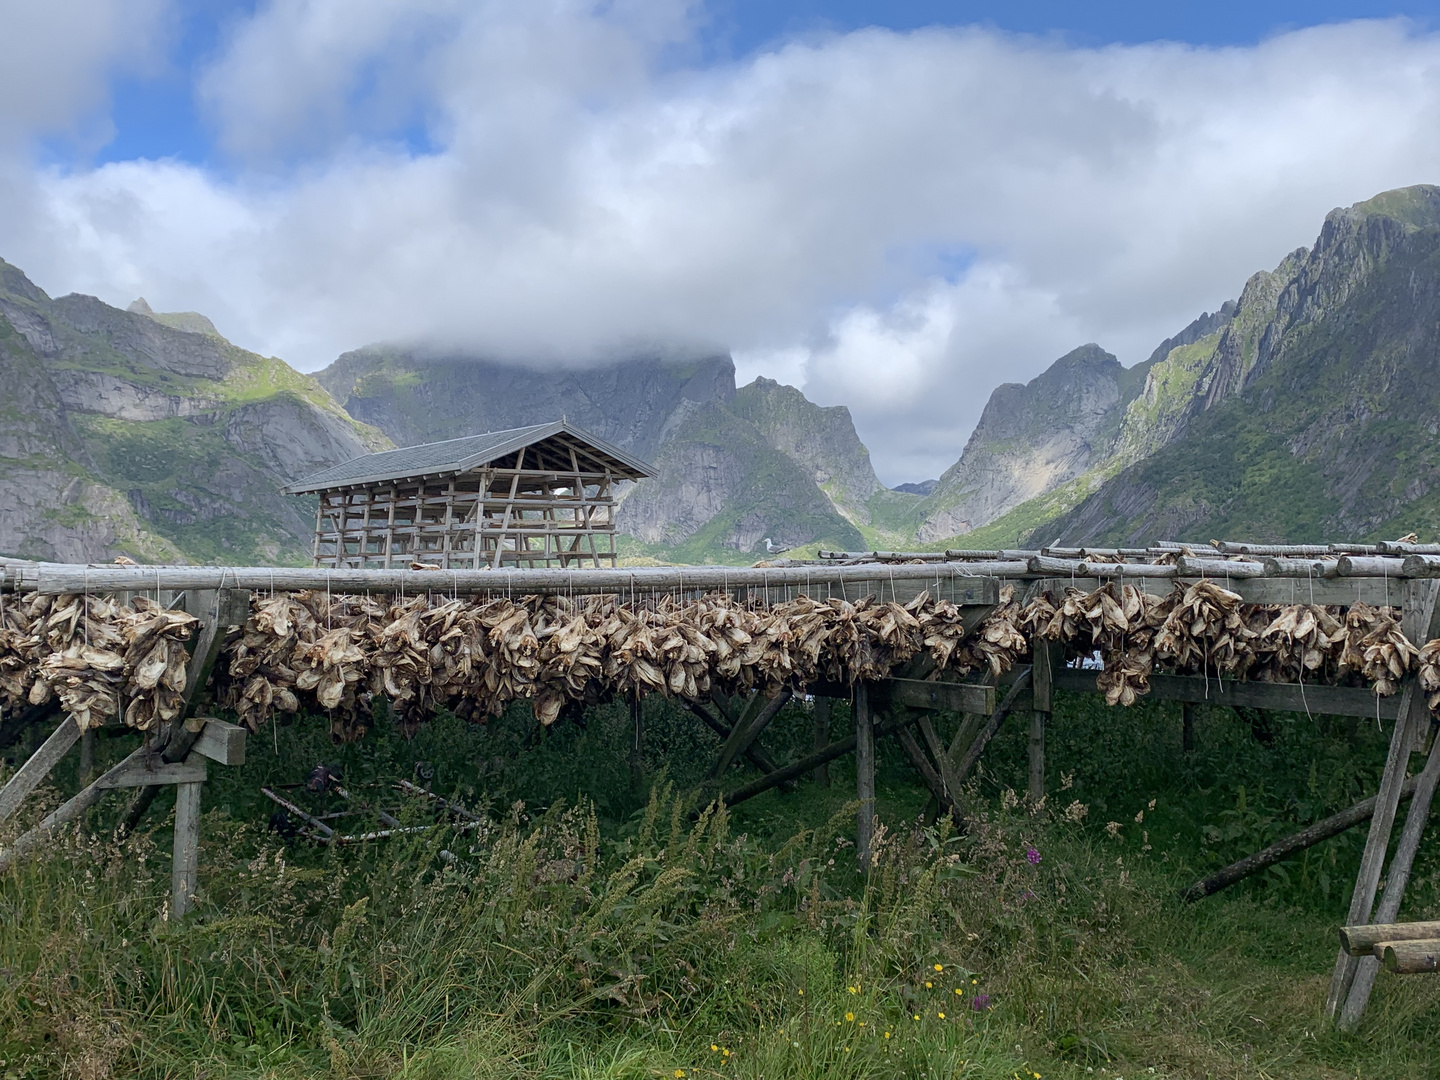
(123, 434)
(1030, 440)
(416, 397)
(1321, 413)
(736, 467)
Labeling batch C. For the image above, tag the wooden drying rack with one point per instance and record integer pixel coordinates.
(1402, 575)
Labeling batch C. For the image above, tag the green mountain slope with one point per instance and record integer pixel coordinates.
(126, 432)
(736, 467)
(1318, 413)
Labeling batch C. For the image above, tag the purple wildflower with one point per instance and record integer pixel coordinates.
(980, 1002)
(1032, 857)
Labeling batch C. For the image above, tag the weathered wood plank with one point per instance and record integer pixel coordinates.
(1419, 617)
(141, 770)
(939, 696)
(1288, 697)
(221, 742)
(1397, 875)
(864, 776)
(29, 776)
(1361, 940)
(185, 865)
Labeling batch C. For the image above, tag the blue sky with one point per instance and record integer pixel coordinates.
(156, 115)
(890, 205)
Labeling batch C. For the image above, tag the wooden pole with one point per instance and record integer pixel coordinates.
(1411, 957)
(1397, 875)
(186, 853)
(87, 755)
(217, 610)
(820, 736)
(864, 777)
(746, 732)
(27, 778)
(797, 769)
(1309, 836)
(753, 753)
(1361, 940)
(1417, 623)
(1040, 690)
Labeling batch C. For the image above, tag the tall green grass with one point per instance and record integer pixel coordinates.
(608, 923)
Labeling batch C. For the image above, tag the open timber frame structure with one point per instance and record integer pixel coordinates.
(1401, 575)
(538, 496)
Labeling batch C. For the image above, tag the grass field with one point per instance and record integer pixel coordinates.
(604, 923)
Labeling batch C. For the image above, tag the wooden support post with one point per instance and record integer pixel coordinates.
(1041, 692)
(864, 777)
(87, 755)
(1397, 875)
(753, 754)
(1417, 622)
(28, 777)
(820, 736)
(797, 769)
(755, 720)
(186, 855)
(218, 609)
(1188, 709)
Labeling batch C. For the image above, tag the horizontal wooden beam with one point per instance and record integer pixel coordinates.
(221, 742)
(939, 696)
(1289, 697)
(137, 771)
(59, 578)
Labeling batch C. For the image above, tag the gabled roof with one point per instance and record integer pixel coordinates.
(464, 454)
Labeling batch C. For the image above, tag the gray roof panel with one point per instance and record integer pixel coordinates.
(459, 455)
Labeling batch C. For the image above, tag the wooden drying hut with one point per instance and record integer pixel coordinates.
(537, 496)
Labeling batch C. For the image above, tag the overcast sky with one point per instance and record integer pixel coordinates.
(893, 213)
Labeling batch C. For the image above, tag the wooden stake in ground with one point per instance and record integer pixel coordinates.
(864, 776)
(1418, 624)
(1188, 710)
(1043, 654)
(1396, 877)
(184, 873)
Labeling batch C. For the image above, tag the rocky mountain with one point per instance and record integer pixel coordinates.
(1030, 440)
(1316, 413)
(150, 435)
(1309, 408)
(736, 466)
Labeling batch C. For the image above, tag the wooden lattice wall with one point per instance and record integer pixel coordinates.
(541, 506)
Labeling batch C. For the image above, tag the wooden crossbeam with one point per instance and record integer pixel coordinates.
(1290, 697)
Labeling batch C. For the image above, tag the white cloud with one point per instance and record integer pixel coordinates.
(56, 58)
(907, 219)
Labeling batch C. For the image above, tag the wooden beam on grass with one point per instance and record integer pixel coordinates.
(1309, 836)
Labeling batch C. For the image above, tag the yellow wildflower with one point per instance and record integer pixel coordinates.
(939, 967)
(849, 1018)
